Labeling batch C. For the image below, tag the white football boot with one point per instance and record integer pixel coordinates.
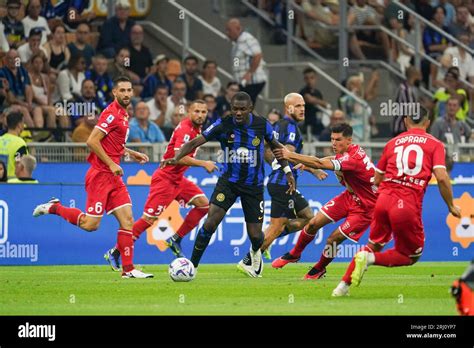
(342, 289)
(257, 262)
(43, 209)
(135, 273)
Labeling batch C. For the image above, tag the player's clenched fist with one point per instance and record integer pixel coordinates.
(210, 166)
(116, 169)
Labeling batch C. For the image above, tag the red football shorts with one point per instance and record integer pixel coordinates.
(398, 215)
(346, 205)
(105, 192)
(164, 191)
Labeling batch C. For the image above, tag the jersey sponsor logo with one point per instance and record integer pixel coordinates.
(110, 118)
(256, 141)
(220, 197)
(462, 230)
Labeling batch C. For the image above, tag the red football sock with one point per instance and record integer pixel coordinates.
(392, 258)
(71, 215)
(323, 262)
(303, 240)
(125, 246)
(347, 276)
(192, 219)
(139, 227)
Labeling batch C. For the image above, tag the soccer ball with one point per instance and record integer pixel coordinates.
(181, 270)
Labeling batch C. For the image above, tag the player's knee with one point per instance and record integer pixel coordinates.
(127, 223)
(312, 227)
(149, 219)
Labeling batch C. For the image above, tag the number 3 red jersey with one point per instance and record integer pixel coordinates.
(408, 161)
(184, 132)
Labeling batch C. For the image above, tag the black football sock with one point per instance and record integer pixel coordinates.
(257, 241)
(200, 245)
(176, 238)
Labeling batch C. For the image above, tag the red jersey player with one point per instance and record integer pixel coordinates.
(403, 173)
(355, 204)
(168, 184)
(106, 191)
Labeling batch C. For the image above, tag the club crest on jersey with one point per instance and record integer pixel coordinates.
(256, 141)
(105, 125)
(220, 197)
(110, 119)
(231, 138)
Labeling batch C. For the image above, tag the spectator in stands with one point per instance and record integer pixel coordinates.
(316, 12)
(247, 51)
(13, 27)
(88, 104)
(72, 13)
(274, 116)
(115, 32)
(462, 23)
(34, 20)
(210, 82)
(157, 78)
(3, 172)
(178, 91)
(141, 129)
(451, 86)
(337, 116)
(140, 55)
(357, 114)
(24, 168)
(42, 94)
(159, 107)
(57, 52)
(363, 14)
(69, 81)
(212, 115)
(179, 112)
(102, 80)
(19, 91)
(4, 46)
(190, 77)
(12, 146)
(433, 42)
(461, 58)
(407, 93)
(223, 101)
(82, 132)
(314, 102)
(121, 66)
(81, 46)
(32, 46)
(449, 129)
(449, 10)
(424, 9)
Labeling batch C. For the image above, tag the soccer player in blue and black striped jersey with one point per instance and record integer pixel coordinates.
(242, 136)
(289, 212)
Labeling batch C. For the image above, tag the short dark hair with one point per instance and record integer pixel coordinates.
(14, 119)
(191, 58)
(197, 101)
(87, 80)
(208, 96)
(208, 62)
(344, 128)
(308, 70)
(75, 58)
(424, 114)
(121, 78)
(162, 87)
(232, 83)
(241, 96)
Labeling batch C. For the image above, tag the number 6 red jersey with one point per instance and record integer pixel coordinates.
(408, 161)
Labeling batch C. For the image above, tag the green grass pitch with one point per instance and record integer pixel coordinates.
(422, 289)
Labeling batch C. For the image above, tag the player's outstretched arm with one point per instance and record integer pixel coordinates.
(209, 166)
(444, 186)
(275, 145)
(309, 161)
(137, 156)
(93, 142)
(185, 150)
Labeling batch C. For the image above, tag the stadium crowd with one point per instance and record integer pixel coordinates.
(58, 64)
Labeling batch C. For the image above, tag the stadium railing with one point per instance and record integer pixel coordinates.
(78, 152)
